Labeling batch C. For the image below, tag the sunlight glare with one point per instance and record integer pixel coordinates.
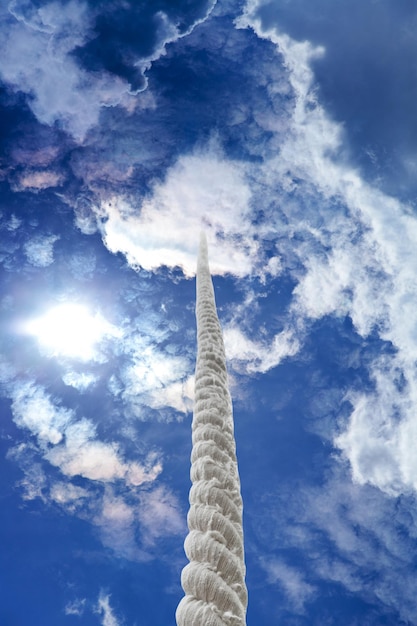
(71, 330)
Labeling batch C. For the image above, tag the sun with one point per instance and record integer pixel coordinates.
(70, 330)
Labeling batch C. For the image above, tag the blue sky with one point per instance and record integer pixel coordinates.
(286, 130)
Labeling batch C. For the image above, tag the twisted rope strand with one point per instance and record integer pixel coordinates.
(214, 579)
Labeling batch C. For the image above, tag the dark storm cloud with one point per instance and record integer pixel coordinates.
(367, 77)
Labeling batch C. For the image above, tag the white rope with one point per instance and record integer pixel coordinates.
(214, 580)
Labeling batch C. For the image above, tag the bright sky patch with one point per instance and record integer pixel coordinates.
(71, 330)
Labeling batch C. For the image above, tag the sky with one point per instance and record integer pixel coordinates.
(286, 131)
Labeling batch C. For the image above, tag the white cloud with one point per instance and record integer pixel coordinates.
(359, 261)
(179, 395)
(37, 44)
(36, 59)
(105, 611)
(34, 410)
(117, 526)
(160, 515)
(40, 250)
(75, 607)
(379, 438)
(153, 370)
(292, 581)
(79, 380)
(353, 536)
(203, 191)
(84, 455)
(152, 378)
(250, 356)
(67, 494)
(75, 448)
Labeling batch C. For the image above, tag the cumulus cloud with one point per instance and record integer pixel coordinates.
(128, 520)
(378, 440)
(371, 534)
(131, 524)
(201, 191)
(117, 526)
(66, 493)
(152, 376)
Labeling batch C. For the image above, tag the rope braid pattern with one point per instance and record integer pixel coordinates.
(214, 580)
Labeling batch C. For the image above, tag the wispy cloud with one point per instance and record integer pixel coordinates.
(361, 264)
(293, 582)
(107, 615)
(38, 44)
(75, 607)
(344, 534)
(47, 52)
(160, 515)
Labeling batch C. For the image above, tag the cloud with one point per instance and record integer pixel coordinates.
(38, 179)
(105, 611)
(109, 498)
(66, 494)
(37, 60)
(178, 395)
(33, 409)
(355, 249)
(155, 379)
(151, 376)
(378, 439)
(203, 191)
(83, 455)
(298, 591)
(355, 538)
(133, 523)
(117, 526)
(72, 444)
(75, 607)
(39, 250)
(61, 56)
(160, 515)
(139, 36)
(248, 356)
(34, 483)
(79, 380)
